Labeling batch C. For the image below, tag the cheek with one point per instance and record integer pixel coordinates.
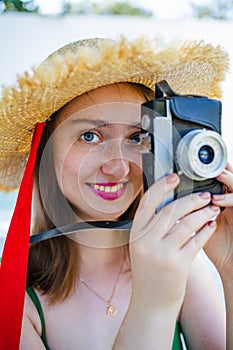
(75, 168)
(135, 157)
(137, 175)
(136, 161)
(66, 168)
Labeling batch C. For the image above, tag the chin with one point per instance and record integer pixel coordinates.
(101, 216)
(109, 211)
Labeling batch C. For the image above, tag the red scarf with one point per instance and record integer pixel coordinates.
(14, 263)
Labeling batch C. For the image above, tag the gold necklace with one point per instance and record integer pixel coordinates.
(110, 310)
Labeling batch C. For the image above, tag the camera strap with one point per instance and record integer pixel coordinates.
(162, 88)
(80, 226)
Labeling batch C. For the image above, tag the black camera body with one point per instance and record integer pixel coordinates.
(182, 135)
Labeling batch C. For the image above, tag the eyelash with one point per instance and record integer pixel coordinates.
(137, 135)
(93, 134)
(90, 133)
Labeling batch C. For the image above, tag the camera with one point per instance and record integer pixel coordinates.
(182, 134)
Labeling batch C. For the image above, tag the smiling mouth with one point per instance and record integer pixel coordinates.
(110, 191)
(107, 189)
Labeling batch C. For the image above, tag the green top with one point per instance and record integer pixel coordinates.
(177, 345)
(37, 304)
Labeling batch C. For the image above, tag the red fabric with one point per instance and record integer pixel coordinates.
(13, 269)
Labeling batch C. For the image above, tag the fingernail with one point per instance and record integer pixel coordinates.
(218, 197)
(212, 223)
(171, 179)
(204, 195)
(214, 208)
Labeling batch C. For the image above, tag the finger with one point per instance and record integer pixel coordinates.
(229, 167)
(223, 200)
(191, 224)
(226, 177)
(197, 241)
(181, 207)
(153, 198)
(164, 221)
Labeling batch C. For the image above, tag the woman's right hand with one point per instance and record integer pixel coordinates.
(163, 245)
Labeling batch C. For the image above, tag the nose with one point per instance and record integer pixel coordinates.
(117, 168)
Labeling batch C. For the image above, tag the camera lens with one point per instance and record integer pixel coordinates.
(206, 154)
(201, 154)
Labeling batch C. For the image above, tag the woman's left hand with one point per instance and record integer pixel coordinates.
(219, 248)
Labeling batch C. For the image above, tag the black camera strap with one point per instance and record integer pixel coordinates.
(162, 88)
(80, 226)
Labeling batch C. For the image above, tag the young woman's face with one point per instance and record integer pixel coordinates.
(97, 151)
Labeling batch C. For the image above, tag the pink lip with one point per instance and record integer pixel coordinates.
(110, 196)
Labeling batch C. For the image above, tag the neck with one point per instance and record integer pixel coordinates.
(101, 251)
(99, 260)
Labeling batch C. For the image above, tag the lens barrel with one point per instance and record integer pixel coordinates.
(201, 154)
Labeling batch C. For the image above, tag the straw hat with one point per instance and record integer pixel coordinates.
(84, 65)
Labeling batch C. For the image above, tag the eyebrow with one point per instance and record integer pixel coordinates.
(104, 123)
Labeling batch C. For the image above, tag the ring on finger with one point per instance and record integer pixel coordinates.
(177, 223)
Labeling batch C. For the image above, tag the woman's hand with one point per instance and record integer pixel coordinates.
(220, 247)
(163, 245)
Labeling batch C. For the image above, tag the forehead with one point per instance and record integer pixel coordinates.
(116, 103)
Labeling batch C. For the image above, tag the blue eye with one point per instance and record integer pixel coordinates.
(90, 137)
(136, 139)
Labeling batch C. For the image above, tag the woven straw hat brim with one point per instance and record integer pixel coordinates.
(84, 65)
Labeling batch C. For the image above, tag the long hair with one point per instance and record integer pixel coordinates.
(53, 264)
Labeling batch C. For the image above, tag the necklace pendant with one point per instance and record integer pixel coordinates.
(111, 311)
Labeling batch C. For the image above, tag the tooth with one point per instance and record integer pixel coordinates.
(114, 189)
(107, 189)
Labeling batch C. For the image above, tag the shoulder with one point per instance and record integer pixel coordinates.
(203, 274)
(202, 286)
(31, 327)
(31, 314)
(202, 315)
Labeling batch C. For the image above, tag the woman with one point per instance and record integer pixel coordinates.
(105, 288)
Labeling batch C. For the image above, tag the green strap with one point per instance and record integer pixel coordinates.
(177, 345)
(37, 304)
